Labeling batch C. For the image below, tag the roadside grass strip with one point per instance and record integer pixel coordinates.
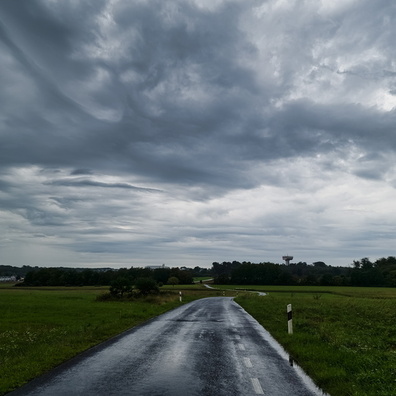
(345, 343)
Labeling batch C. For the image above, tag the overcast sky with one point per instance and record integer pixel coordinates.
(153, 132)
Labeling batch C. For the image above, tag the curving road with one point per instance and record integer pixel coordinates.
(207, 347)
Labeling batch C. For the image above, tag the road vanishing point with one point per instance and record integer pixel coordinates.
(207, 347)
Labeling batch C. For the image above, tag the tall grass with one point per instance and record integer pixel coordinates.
(346, 344)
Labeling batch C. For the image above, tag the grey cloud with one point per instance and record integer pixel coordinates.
(371, 174)
(165, 139)
(93, 183)
(66, 202)
(58, 141)
(207, 105)
(41, 217)
(81, 172)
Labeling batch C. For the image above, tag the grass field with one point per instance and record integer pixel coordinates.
(373, 292)
(202, 278)
(344, 338)
(42, 327)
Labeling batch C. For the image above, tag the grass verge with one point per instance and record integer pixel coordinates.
(346, 342)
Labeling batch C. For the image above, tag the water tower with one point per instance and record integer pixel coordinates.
(287, 259)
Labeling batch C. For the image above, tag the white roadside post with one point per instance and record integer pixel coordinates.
(180, 294)
(289, 319)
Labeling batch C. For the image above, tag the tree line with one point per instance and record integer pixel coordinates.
(363, 272)
(106, 277)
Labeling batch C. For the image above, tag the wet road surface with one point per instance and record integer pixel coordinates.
(207, 347)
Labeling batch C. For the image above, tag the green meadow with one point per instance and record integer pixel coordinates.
(344, 337)
(42, 327)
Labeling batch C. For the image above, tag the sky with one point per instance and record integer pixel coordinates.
(184, 132)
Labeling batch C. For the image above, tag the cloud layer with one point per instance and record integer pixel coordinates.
(186, 132)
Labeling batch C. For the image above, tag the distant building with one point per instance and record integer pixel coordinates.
(154, 267)
(287, 258)
(7, 278)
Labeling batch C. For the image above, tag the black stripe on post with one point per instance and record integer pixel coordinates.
(289, 319)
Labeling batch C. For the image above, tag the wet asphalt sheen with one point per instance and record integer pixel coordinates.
(207, 347)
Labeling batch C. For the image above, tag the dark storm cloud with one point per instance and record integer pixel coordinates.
(93, 183)
(157, 89)
(156, 128)
(81, 172)
(235, 112)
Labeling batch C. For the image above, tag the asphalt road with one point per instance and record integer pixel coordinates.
(207, 347)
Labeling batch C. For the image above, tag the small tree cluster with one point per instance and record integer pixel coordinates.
(173, 281)
(146, 286)
(123, 287)
(120, 286)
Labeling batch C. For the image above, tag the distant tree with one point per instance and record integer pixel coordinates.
(185, 276)
(30, 278)
(285, 278)
(310, 280)
(365, 273)
(146, 286)
(197, 271)
(222, 272)
(366, 263)
(319, 264)
(356, 264)
(120, 286)
(387, 267)
(326, 280)
(160, 275)
(173, 281)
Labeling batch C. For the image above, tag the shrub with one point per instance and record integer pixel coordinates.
(120, 286)
(146, 286)
(173, 281)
